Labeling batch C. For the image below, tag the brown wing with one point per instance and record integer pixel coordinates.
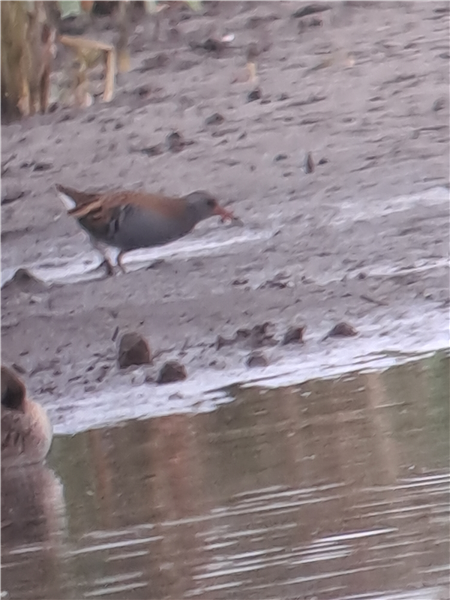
(102, 206)
(164, 205)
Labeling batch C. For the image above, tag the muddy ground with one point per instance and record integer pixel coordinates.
(363, 238)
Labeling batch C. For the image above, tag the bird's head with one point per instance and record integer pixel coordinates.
(206, 206)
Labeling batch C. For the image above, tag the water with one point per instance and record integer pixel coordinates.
(330, 489)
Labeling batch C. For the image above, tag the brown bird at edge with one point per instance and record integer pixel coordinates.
(129, 220)
(26, 429)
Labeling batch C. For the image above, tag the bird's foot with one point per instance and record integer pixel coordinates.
(107, 267)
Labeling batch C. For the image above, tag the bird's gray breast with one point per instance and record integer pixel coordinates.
(136, 228)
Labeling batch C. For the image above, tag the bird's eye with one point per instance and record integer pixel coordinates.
(211, 203)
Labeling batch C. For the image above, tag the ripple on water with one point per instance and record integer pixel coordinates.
(336, 489)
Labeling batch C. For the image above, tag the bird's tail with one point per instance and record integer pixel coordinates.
(72, 199)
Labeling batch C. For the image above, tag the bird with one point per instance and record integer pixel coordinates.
(26, 429)
(129, 220)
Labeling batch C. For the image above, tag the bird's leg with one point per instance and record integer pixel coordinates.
(119, 261)
(108, 266)
(106, 263)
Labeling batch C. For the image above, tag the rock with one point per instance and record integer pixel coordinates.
(257, 336)
(279, 281)
(143, 91)
(133, 350)
(152, 150)
(214, 119)
(171, 371)
(342, 329)
(253, 337)
(310, 9)
(309, 164)
(240, 281)
(294, 335)
(154, 62)
(42, 166)
(256, 359)
(280, 156)
(438, 104)
(212, 45)
(254, 95)
(175, 142)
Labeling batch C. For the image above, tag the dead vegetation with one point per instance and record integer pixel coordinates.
(31, 34)
(28, 47)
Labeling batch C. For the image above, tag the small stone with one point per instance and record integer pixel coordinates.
(310, 9)
(133, 350)
(282, 97)
(256, 359)
(154, 62)
(171, 371)
(279, 157)
(152, 150)
(214, 119)
(314, 22)
(221, 342)
(309, 164)
(279, 281)
(254, 95)
(342, 329)
(257, 336)
(175, 142)
(323, 161)
(42, 166)
(294, 335)
(213, 45)
(438, 104)
(143, 91)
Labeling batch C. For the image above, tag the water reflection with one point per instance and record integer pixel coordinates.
(33, 525)
(331, 489)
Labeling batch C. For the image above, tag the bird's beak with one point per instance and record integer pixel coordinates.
(226, 215)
